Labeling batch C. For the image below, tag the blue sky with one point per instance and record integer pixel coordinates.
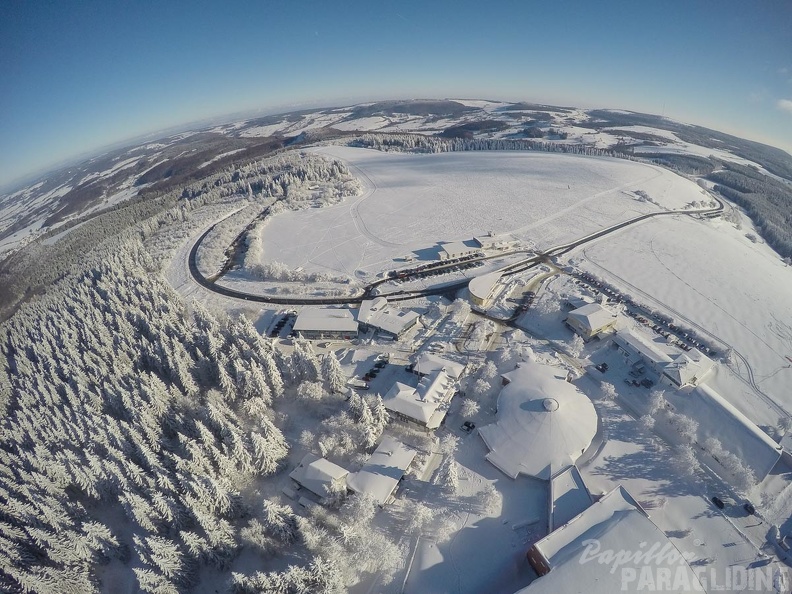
(75, 76)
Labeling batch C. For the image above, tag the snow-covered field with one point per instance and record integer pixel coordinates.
(413, 202)
(709, 275)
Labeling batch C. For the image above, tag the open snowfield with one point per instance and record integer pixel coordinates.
(709, 275)
(413, 202)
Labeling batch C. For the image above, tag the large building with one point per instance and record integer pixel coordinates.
(320, 476)
(483, 288)
(377, 314)
(425, 405)
(718, 418)
(380, 476)
(616, 523)
(314, 323)
(591, 321)
(639, 351)
(680, 370)
(456, 249)
(544, 423)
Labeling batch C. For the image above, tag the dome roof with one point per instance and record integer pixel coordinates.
(544, 423)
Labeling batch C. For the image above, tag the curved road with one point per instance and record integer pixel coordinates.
(209, 283)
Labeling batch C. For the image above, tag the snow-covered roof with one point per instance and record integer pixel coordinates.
(426, 403)
(490, 240)
(317, 474)
(482, 286)
(569, 496)
(637, 345)
(456, 248)
(718, 418)
(592, 316)
(381, 474)
(428, 363)
(325, 319)
(615, 523)
(688, 368)
(578, 301)
(380, 314)
(544, 423)
(786, 442)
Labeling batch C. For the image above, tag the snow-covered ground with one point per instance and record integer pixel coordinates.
(414, 202)
(708, 275)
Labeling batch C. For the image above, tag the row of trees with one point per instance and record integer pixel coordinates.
(433, 144)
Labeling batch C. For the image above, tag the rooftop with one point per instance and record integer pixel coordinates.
(456, 247)
(318, 474)
(592, 316)
(380, 475)
(569, 496)
(688, 368)
(544, 423)
(325, 319)
(647, 349)
(380, 314)
(616, 523)
(425, 403)
(428, 363)
(482, 286)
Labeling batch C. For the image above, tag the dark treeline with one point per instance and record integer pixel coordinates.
(767, 201)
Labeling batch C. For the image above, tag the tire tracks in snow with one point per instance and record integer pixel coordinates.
(750, 381)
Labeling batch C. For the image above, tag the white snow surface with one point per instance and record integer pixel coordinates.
(708, 276)
(414, 201)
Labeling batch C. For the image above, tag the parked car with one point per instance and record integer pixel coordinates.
(718, 502)
(748, 506)
(467, 426)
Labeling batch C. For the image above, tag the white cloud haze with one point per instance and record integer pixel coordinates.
(785, 105)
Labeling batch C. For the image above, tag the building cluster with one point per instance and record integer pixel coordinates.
(423, 405)
(378, 478)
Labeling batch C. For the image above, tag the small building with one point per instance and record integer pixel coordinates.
(315, 323)
(320, 476)
(381, 474)
(637, 350)
(456, 249)
(483, 288)
(428, 363)
(688, 369)
(425, 405)
(378, 315)
(568, 497)
(490, 241)
(616, 522)
(591, 321)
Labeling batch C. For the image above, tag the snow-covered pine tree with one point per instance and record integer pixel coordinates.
(332, 373)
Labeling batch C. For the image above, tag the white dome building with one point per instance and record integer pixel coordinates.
(544, 423)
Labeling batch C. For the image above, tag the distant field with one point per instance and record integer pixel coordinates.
(415, 201)
(711, 274)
